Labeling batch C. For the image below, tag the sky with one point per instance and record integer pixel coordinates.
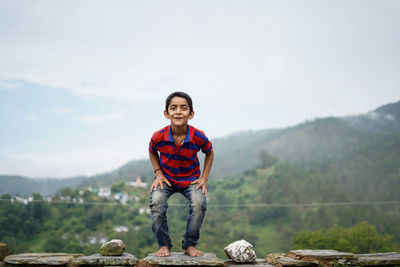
(83, 83)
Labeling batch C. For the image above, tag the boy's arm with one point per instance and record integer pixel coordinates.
(202, 181)
(160, 178)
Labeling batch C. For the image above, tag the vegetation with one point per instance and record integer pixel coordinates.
(298, 187)
(262, 206)
(361, 238)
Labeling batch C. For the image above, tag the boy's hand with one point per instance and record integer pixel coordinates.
(202, 182)
(160, 179)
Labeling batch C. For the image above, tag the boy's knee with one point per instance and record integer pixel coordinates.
(198, 202)
(158, 201)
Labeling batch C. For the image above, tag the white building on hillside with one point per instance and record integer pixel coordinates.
(138, 183)
(104, 191)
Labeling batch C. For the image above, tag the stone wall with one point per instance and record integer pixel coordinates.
(323, 258)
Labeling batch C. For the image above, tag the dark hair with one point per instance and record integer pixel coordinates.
(179, 94)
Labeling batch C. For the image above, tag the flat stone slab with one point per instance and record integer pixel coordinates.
(324, 254)
(97, 259)
(281, 259)
(377, 259)
(257, 263)
(179, 258)
(41, 258)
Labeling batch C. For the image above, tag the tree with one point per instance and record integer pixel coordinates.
(361, 238)
(266, 160)
(117, 187)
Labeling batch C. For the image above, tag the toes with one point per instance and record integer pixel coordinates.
(194, 252)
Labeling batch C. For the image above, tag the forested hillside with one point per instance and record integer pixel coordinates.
(268, 206)
(278, 189)
(318, 141)
(24, 186)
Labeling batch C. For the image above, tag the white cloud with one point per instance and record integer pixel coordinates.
(390, 117)
(33, 117)
(9, 85)
(41, 164)
(259, 65)
(272, 53)
(63, 110)
(372, 115)
(102, 118)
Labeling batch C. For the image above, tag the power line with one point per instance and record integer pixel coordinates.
(239, 205)
(282, 205)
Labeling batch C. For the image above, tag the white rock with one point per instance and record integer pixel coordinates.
(115, 247)
(241, 251)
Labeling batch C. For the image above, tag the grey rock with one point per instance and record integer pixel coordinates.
(257, 263)
(282, 259)
(97, 259)
(377, 259)
(324, 254)
(179, 258)
(41, 258)
(240, 251)
(4, 251)
(114, 247)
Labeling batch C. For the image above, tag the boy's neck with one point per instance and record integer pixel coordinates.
(179, 130)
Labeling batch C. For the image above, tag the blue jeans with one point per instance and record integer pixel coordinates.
(159, 206)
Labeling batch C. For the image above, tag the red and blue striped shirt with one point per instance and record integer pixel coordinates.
(180, 164)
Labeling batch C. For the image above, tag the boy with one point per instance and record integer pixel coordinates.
(177, 169)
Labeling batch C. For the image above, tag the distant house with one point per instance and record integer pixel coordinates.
(123, 198)
(23, 200)
(104, 191)
(144, 210)
(138, 183)
(93, 190)
(121, 229)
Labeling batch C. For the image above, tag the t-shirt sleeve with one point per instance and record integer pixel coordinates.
(206, 147)
(152, 146)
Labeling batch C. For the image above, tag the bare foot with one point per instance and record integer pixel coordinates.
(162, 252)
(193, 252)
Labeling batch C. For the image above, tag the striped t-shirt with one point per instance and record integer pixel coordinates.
(180, 164)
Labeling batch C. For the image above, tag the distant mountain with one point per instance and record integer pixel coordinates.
(128, 172)
(25, 186)
(321, 141)
(383, 120)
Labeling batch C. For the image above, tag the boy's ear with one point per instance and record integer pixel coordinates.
(191, 115)
(166, 115)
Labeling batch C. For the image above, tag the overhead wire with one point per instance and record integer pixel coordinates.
(239, 205)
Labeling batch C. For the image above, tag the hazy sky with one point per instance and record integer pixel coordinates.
(83, 83)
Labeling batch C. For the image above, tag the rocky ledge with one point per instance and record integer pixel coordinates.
(98, 260)
(256, 263)
(41, 259)
(378, 259)
(321, 258)
(332, 258)
(179, 259)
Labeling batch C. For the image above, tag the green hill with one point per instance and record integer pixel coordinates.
(24, 186)
(275, 188)
(324, 141)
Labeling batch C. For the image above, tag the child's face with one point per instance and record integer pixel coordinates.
(178, 112)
